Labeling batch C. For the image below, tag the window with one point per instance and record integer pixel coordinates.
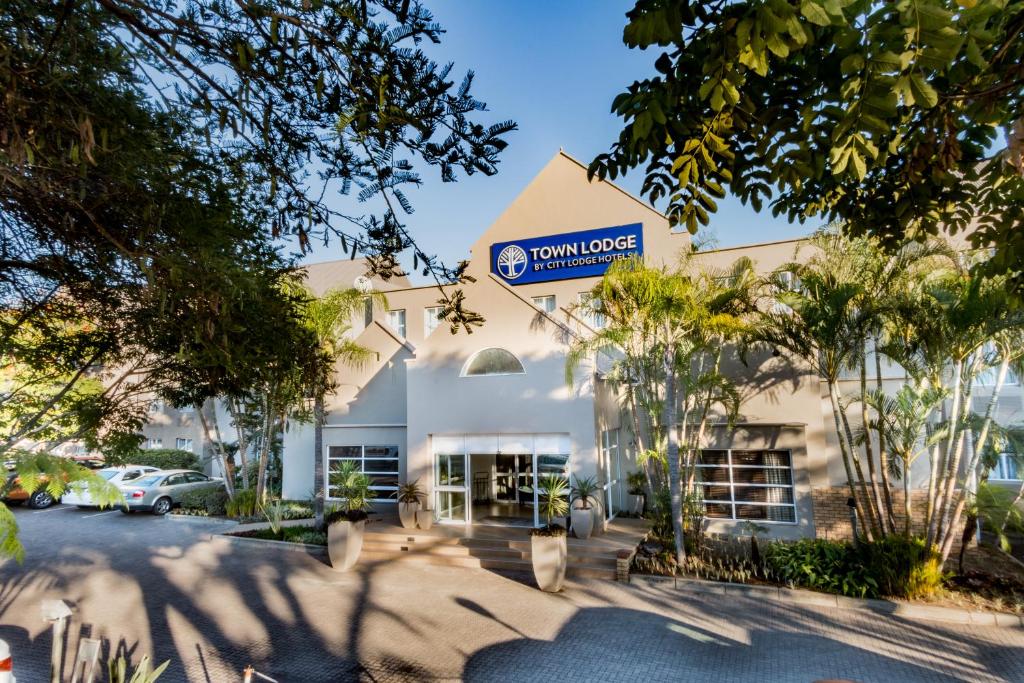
(156, 406)
(367, 312)
(183, 444)
(493, 361)
(589, 310)
(431, 320)
(545, 303)
(186, 410)
(1005, 468)
(739, 484)
(396, 319)
(154, 443)
(175, 480)
(380, 463)
(195, 477)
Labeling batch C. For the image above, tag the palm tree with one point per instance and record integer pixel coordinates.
(328, 319)
(664, 332)
(901, 420)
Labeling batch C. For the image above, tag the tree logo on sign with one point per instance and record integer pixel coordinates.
(512, 262)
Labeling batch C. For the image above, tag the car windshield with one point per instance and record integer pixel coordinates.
(108, 474)
(147, 481)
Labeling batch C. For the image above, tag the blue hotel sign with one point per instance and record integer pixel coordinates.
(587, 253)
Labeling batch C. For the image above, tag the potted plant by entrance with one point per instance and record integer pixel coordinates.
(409, 503)
(635, 482)
(345, 525)
(582, 506)
(548, 549)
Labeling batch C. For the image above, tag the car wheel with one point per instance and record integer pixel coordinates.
(40, 499)
(162, 506)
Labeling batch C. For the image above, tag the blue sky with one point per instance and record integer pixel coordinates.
(553, 67)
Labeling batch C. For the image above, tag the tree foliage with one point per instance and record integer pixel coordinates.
(884, 115)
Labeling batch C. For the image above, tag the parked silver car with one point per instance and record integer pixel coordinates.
(161, 491)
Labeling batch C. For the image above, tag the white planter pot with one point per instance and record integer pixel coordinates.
(344, 543)
(425, 518)
(549, 556)
(407, 513)
(638, 504)
(582, 522)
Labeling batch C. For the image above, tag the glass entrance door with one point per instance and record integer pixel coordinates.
(450, 490)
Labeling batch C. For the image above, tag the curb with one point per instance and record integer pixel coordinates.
(806, 598)
(307, 548)
(199, 519)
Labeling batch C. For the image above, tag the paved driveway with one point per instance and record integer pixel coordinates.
(150, 585)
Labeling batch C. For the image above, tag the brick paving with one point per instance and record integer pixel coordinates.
(149, 585)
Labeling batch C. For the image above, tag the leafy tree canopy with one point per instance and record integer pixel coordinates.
(885, 115)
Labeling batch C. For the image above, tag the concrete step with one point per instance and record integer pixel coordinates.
(518, 565)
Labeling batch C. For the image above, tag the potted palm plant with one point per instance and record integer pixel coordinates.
(409, 496)
(582, 514)
(635, 482)
(345, 525)
(548, 549)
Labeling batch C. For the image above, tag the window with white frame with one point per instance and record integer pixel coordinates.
(154, 443)
(545, 303)
(431, 319)
(396, 319)
(747, 484)
(379, 463)
(493, 361)
(591, 316)
(1005, 468)
(187, 409)
(183, 444)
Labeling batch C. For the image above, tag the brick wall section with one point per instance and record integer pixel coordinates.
(832, 516)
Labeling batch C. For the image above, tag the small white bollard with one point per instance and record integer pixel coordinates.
(56, 612)
(6, 663)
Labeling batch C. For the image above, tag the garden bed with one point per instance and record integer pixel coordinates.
(991, 581)
(288, 534)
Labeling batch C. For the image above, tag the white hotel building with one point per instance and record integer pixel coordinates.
(475, 417)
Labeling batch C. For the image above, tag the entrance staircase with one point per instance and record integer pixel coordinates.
(494, 548)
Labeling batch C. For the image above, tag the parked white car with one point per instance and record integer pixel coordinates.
(78, 494)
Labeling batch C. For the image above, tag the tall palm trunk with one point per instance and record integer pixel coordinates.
(945, 455)
(318, 462)
(869, 453)
(632, 407)
(851, 481)
(907, 502)
(883, 455)
(979, 448)
(672, 453)
(945, 533)
(243, 441)
(218, 450)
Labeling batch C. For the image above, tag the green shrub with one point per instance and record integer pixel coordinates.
(166, 459)
(243, 504)
(211, 499)
(903, 568)
(830, 566)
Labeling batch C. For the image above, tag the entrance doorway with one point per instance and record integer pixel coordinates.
(491, 479)
(502, 488)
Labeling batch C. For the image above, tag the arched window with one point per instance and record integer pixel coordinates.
(493, 361)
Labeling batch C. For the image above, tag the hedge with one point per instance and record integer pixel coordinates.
(212, 499)
(166, 459)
